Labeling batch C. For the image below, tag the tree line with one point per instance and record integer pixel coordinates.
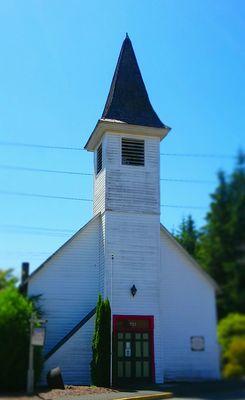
(219, 245)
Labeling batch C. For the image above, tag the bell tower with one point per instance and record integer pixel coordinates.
(125, 143)
(126, 146)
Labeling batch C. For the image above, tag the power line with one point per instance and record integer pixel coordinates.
(5, 192)
(25, 253)
(179, 206)
(186, 180)
(9, 226)
(41, 146)
(13, 167)
(198, 155)
(36, 230)
(9, 193)
(17, 168)
(44, 146)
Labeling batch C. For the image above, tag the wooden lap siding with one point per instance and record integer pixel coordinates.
(74, 357)
(134, 241)
(69, 282)
(188, 309)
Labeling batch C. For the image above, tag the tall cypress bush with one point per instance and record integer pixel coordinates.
(100, 364)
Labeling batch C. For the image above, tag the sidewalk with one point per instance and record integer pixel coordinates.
(93, 393)
(148, 394)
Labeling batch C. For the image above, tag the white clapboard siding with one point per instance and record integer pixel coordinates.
(132, 188)
(69, 282)
(73, 357)
(131, 233)
(133, 239)
(188, 309)
(99, 192)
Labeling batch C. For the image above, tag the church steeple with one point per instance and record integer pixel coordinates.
(128, 108)
(128, 100)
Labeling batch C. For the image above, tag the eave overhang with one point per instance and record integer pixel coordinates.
(119, 127)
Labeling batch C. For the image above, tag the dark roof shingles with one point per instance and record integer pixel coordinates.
(128, 100)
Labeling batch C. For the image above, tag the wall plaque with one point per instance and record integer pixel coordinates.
(197, 343)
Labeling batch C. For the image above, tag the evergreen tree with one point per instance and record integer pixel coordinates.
(100, 364)
(187, 235)
(221, 249)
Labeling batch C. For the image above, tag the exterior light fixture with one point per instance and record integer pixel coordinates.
(133, 290)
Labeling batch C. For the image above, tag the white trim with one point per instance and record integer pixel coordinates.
(119, 127)
(63, 245)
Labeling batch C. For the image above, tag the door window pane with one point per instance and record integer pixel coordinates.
(120, 369)
(120, 335)
(146, 369)
(128, 369)
(138, 369)
(138, 336)
(145, 335)
(145, 349)
(127, 335)
(120, 349)
(137, 349)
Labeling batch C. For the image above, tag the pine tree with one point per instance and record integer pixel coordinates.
(221, 249)
(187, 235)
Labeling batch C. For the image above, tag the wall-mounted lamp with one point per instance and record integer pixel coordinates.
(133, 290)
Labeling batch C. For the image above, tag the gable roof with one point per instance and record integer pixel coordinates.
(128, 100)
(64, 245)
(190, 258)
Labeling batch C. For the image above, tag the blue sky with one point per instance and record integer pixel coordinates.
(57, 62)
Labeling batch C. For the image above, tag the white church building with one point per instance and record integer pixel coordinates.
(163, 303)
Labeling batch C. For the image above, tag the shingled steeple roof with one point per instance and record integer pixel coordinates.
(128, 100)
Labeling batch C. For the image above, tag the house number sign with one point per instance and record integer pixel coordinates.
(128, 349)
(133, 325)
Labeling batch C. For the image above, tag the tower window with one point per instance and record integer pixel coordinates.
(99, 159)
(133, 152)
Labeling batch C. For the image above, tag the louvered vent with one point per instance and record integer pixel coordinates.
(133, 152)
(99, 159)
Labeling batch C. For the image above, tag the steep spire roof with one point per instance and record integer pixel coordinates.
(128, 100)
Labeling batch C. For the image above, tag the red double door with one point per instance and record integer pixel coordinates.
(133, 349)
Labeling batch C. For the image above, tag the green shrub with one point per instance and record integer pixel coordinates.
(232, 371)
(231, 326)
(15, 313)
(7, 278)
(100, 364)
(235, 356)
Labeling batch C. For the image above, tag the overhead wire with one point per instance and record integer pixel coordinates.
(41, 146)
(26, 194)
(52, 147)
(12, 193)
(55, 171)
(30, 169)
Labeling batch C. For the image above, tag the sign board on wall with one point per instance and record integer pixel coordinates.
(128, 349)
(197, 343)
(38, 336)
